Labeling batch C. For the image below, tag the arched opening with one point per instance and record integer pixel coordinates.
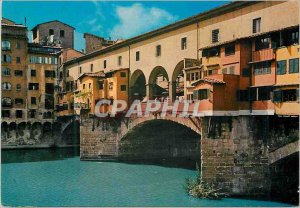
(137, 86)
(178, 82)
(71, 134)
(158, 84)
(46, 127)
(4, 131)
(174, 142)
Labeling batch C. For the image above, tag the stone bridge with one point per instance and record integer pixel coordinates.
(233, 150)
(283, 152)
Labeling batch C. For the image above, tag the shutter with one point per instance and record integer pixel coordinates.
(195, 94)
(277, 96)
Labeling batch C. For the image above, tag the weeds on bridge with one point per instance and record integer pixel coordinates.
(198, 189)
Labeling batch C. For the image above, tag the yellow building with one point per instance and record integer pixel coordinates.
(92, 87)
(286, 89)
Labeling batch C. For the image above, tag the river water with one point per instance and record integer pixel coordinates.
(59, 178)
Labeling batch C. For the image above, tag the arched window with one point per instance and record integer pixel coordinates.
(6, 86)
(6, 102)
(5, 71)
(5, 45)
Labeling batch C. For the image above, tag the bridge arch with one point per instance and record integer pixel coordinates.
(158, 83)
(139, 140)
(137, 85)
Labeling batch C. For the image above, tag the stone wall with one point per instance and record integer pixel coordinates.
(234, 154)
(38, 135)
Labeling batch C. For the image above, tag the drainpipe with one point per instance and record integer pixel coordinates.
(129, 76)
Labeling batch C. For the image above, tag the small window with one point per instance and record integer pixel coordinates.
(33, 100)
(294, 65)
(262, 68)
(19, 113)
(262, 43)
(110, 86)
(5, 113)
(5, 45)
(83, 86)
(80, 70)
(32, 113)
(6, 58)
(231, 70)
(230, 50)
(264, 93)
(6, 102)
(224, 71)
(104, 64)
(6, 86)
(49, 73)
(51, 32)
(120, 60)
(6, 72)
(18, 60)
(281, 67)
(183, 43)
(137, 56)
(202, 94)
(62, 33)
(215, 36)
(33, 73)
(123, 87)
(18, 87)
(100, 85)
(92, 68)
(123, 74)
(256, 25)
(18, 101)
(158, 50)
(18, 45)
(33, 86)
(295, 37)
(18, 73)
(90, 86)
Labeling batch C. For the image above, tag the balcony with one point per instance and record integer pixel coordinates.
(263, 55)
(287, 108)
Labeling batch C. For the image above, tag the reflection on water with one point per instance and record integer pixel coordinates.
(36, 155)
(57, 177)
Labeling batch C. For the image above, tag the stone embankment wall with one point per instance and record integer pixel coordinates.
(38, 135)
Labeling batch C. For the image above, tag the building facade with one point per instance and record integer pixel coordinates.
(238, 65)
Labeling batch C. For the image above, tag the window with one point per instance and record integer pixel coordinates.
(51, 32)
(18, 60)
(18, 45)
(33, 100)
(183, 43)
(100, 85)
(18, 73)
(6, 102)
(264, 93)
(295, 37)
(80, 70)
(83, 86)
(231, 70)
(6, 58)
(32, 113)
(6, 86)
(92, 66)
(202, 94)
(18, 87)
(262, 43)
(123, 87)
(90, 85)
(49, 88)
(281, 67)
(285, 95)
(294, 65)
(5, 71)
(19, 113)
(123, 74)
(158, 50)
(110, 85)
(104, 64)
(137, 56)
(33, 73)
(256, 25)
(242, 95)
(262, 68)
(33, 86)
(215, 36)
(211, 52)
(196, 75)
(246, 72)
(18, 101)
(5, 45)
(5, 113)
(230, 50)
(62, 33)
(120, 60)
(192, 76)
(224, 71)
(49, 73)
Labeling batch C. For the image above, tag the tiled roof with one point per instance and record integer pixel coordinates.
(208, 80)
(96, 74)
